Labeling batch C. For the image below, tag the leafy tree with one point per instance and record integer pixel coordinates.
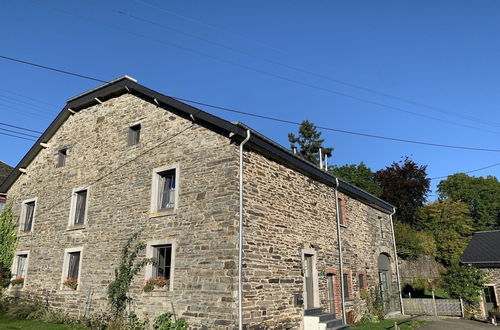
(412, 243)
(308, 142)
(7, 237)
(359, 175)
(480, 194)
(119, 288)
(462, 281)
(405, 185)
(450, 223)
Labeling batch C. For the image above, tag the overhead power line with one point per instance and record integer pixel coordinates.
(20, 133)
(19, 127)
(467, 172)
(270, 74)
(288, 66)
(16, 136)
(282, 120)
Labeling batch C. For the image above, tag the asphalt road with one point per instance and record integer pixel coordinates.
(457, 325)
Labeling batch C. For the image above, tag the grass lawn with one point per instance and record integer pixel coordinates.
(7, 322)
(438, 293)
(389, 324)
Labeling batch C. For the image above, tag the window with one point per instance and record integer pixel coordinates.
(163, 252)
(163, 256)
(164, 194)
(79, 206)
(345, 279)
(20, 267)
(134, 134)
(71, 268)
(381, 224)
(361, 281)
(27, 215)
(341, 210)
(61, 157)
(2, 203)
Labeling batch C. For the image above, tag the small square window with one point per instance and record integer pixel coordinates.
(134, 134)
(27, 215)
(79, 207)
(61, 157)
(164, 193)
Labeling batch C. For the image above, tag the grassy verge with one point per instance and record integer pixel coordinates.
(12, 323)
(389, 324)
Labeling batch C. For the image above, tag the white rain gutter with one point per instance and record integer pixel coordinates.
(396, 259)
(341, 254)
(240, 252)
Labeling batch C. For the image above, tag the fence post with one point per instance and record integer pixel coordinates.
(462, 307)
(434, 303)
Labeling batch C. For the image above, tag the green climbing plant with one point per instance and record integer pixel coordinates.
(124, 273)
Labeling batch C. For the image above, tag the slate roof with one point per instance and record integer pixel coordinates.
(238, 131)
(484, 249)
(4, 171)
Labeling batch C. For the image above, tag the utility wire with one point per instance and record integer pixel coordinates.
(19, 127)
(277, 76)
(19, 137)
(289, 121)
(20, 133)
(291, 67)
(467, 172)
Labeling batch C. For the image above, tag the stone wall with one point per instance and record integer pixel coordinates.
(422, 267)
(119, 178)
(286, 212)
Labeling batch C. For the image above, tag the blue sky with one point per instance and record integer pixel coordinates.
(443, 55)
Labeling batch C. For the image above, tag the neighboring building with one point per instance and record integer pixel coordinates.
(122, 158)
(483, 252)
(4, 172)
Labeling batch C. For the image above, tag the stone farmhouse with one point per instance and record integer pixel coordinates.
(123, 158)
(483, 252)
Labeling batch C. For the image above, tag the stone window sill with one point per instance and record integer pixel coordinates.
(343, 225)
(24, 233)
(68, 291)
(163, 213)
(157, 293)
(75, 227)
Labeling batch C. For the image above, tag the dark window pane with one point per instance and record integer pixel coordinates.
(163, 254)
(361, 283)
(61, 157)
(134, 134)
(74, 264)
(345, 278)
(28, 217)
(81, 205)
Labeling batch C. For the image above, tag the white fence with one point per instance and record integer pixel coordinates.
(429, 306)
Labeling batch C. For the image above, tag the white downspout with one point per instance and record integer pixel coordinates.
(396, 259)
(240, 252)
(341, 254)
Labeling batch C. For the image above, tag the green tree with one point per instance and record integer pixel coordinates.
(405, 185)
(359, 175)
(462, 281)
(7, 237)
(480, 194)
(412, 243)
(308, 142)
(450, 223)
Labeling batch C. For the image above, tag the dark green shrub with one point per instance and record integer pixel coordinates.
(164, 322)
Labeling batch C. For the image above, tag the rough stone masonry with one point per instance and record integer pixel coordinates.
(285, 212)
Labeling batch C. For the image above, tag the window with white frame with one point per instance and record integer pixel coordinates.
(27, 215)
(20, 268)
(164, 194)
(79, 207)
(71, 268)
(163, 254)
